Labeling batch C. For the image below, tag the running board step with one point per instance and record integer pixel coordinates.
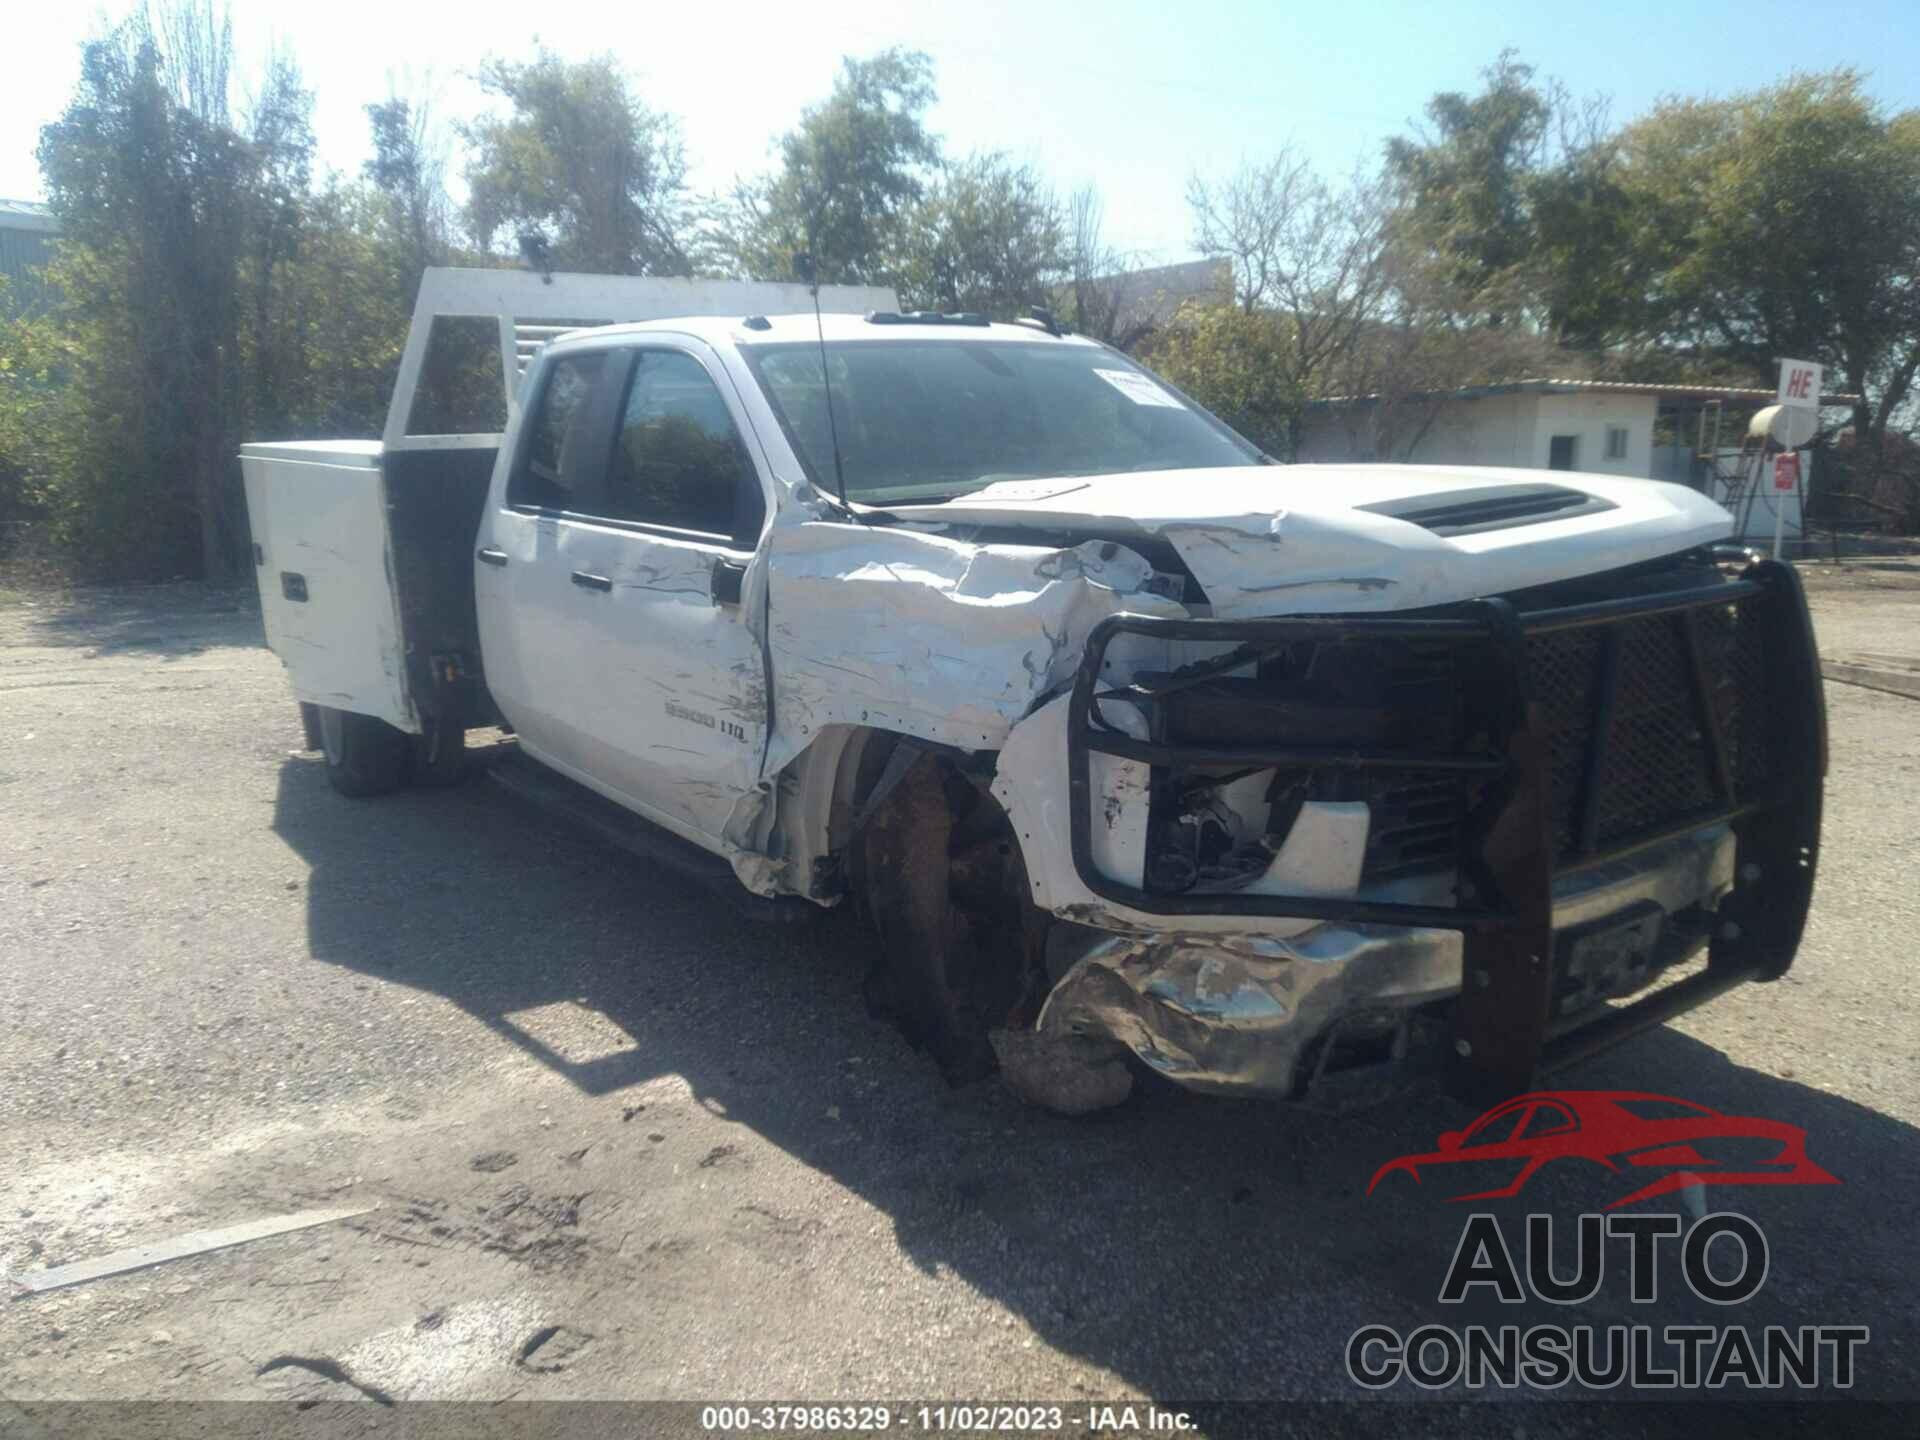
(591, 813)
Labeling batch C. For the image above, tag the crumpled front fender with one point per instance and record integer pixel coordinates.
(1323, 853)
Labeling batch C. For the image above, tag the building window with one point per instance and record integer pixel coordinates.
(1563, 452)
(1616, 442)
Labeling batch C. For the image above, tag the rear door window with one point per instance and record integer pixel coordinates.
(563, 455)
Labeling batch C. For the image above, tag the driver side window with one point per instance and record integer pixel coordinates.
(678, 461)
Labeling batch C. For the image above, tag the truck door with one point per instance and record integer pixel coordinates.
(534, 630)
(628, 527)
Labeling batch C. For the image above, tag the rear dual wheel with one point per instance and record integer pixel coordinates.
(439, 754)
(367, 757)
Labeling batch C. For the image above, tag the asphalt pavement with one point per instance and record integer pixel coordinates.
(666, 1147)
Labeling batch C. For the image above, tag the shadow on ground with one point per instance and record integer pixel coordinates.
(165, 621)
(1187, 1244)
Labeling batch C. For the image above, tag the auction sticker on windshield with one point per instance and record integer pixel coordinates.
(1138, 388)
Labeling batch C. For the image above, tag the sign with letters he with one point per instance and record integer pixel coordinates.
(1800, 384)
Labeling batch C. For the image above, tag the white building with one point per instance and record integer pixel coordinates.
(27, 232)
(1607, 427)
(1539, 424)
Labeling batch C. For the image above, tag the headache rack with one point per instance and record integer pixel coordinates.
(1574, 735)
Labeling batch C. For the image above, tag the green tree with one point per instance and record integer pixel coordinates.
(581, 161)
(987, 235)
(280, 152)
(849, 173)
(409, 174)
(1245, 220)
(178, 218)
(1784, 222)
(340, 315)
(1467, 184)
(1317, 257)
(1586, 273)
(208, 295)
(24, 384)
(1093, 295)
(40, 415)
(1234, 362)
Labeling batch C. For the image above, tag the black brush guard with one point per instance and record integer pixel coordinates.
(1541, 804)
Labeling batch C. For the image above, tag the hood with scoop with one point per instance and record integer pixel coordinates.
(1304, 538)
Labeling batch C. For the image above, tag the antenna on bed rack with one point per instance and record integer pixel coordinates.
(804, 265)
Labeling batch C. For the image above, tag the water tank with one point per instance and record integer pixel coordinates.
(1788, 426)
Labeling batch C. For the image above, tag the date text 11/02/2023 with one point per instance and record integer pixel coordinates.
(947, 1419)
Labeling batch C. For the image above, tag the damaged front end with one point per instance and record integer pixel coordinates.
(1317, 856)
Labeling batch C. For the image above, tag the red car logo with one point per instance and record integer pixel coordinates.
(1623, 1131)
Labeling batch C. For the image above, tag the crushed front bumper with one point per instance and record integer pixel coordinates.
(1264, 1015)
(1540, 853)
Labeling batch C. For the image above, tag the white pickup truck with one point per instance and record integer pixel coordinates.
(1300, 781)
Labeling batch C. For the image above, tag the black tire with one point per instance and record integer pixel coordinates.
(365, 756)
(439, 754)
(310, 726)
(937, 872)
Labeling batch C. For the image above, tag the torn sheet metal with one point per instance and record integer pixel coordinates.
(937, 638)
(893, 629)
(180, 1247)
(1238, 1014)
(917, 628)
(1322, 855)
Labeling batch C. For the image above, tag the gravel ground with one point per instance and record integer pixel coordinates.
(594, 1107)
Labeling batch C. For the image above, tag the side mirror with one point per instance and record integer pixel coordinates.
(1450, 1140)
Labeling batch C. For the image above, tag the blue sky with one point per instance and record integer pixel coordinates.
(1131, 97)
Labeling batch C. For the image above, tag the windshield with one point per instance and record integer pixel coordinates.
(926, 420)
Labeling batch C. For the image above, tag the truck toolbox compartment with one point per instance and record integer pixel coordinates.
(319, 516)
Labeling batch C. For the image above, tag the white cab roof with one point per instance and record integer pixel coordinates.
(788, 329)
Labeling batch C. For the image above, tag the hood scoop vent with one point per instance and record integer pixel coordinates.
(1494, 507)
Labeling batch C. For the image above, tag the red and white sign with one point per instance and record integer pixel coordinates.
(1786, 470)
(1800, 384)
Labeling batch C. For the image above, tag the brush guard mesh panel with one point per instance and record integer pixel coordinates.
(1584, 733)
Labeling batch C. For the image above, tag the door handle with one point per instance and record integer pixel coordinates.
(591, 582)
(493, 556)
(728, 576)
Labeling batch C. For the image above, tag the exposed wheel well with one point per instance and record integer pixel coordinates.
(822, 800)
(913, 834)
